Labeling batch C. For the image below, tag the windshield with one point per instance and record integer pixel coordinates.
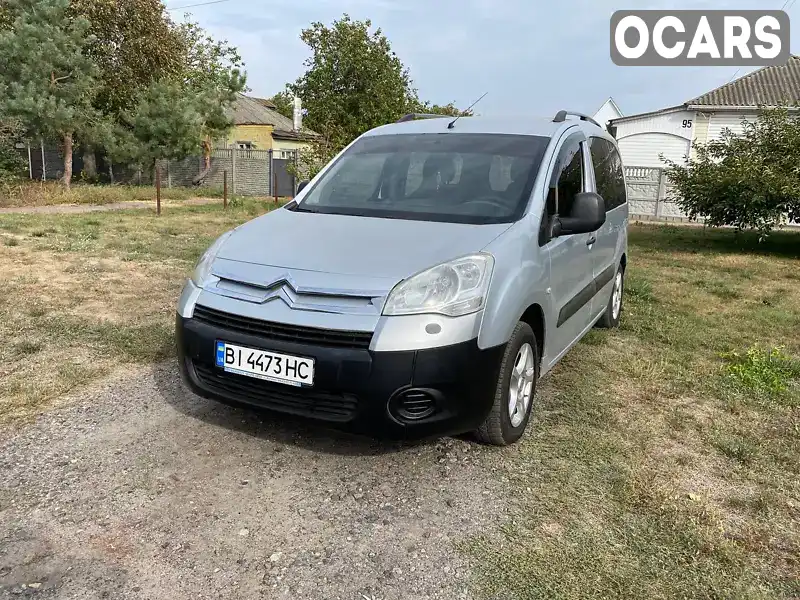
(453, 177)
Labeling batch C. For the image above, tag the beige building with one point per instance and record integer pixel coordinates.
(259, 126)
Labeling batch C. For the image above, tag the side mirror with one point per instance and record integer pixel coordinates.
(588, 214)
(302, 185)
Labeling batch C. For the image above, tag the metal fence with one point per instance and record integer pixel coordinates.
(250, 172)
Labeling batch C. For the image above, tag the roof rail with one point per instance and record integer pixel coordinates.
(415, 116)
(562, 115)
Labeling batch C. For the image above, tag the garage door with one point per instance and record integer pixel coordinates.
(643, 149)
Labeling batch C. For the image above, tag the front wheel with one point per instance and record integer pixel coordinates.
(516, 387)
(611, 316)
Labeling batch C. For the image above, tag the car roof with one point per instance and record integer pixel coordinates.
(539, 126)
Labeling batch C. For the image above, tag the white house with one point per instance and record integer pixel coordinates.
(607, 112)
(672, 131)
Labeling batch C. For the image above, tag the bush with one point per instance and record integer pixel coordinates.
(12, 164)
(749, 181)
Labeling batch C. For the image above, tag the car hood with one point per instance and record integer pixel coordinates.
(389, 249)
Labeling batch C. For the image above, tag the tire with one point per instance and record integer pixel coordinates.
(611, 316)
(500, 428)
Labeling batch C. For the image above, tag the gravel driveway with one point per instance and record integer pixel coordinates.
(138, 489)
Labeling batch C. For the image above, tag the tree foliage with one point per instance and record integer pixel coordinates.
(12, 165)
(353, 82)
(48, 81)
(284, 103)
(166, 123)
(134, 43)
(750, 180)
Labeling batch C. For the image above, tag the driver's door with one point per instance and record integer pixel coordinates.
(570, 255)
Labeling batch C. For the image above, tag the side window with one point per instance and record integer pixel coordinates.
(618, 171)
(608, 173)
(565, 183)
(567, 179)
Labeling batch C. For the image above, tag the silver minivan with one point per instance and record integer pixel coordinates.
(421, 283)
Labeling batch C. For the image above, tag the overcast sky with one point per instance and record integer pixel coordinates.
(533, 56)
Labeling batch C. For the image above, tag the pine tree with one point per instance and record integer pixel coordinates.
(48, 81)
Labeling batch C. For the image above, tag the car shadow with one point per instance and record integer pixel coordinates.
(266, 425)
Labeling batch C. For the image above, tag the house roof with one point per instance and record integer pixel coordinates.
(768, 86)
(261, 111)
(773, 85)
(613, 104)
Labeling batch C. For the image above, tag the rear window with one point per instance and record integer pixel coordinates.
(454, 177)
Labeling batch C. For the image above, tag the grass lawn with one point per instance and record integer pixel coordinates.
(664, 460)
(85, 293)
(664, 457)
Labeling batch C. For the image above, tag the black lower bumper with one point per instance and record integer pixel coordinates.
(372, 393)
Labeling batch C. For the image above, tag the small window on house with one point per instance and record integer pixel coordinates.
(245, 145)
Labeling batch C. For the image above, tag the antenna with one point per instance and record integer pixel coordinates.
(452, 123)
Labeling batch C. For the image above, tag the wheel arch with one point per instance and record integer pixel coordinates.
(534, 317)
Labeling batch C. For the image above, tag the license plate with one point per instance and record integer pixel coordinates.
(261, 364)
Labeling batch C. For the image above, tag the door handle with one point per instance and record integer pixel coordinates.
(591, 240)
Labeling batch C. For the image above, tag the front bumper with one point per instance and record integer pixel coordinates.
(355, 389)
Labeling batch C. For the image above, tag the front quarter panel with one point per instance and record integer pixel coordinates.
(520, 279)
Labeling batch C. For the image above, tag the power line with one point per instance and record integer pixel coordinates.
(786, 6)
(198, 4)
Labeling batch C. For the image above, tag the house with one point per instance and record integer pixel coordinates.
(673, 131)
(607, 112)
(259, 126)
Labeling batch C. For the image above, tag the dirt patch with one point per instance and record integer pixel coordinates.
(140, 490)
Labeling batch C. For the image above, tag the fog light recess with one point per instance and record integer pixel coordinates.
(413, 404)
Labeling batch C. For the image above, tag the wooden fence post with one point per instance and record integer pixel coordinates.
(158, 189)
(225, 188)
(233, 169)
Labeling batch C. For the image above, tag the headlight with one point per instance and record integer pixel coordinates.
(203, 268)
(453, 288)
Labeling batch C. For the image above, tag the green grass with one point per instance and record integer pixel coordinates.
(664, 457)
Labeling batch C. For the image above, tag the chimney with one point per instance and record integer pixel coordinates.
(298, 114)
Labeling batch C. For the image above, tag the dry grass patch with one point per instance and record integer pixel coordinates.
(37, 193)
(85, 294)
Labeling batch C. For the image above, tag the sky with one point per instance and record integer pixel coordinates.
(533, 57)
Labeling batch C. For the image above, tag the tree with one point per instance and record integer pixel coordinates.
(751, 180)
(213, 72)
(449, 109)
(284, 103)
(353, 82)
(12, 165)
(169, 123)
(48, 81)
(134, 44)
(166, 123)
